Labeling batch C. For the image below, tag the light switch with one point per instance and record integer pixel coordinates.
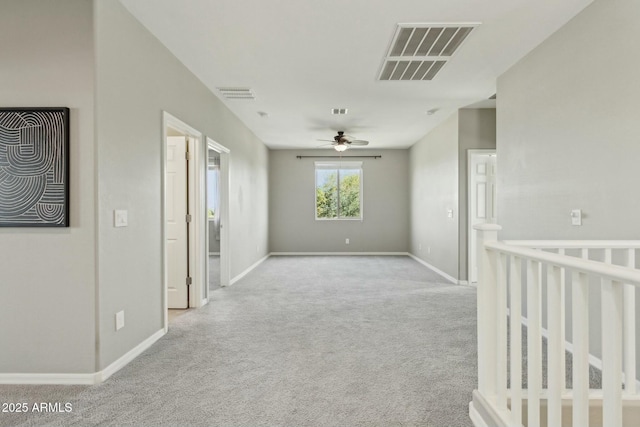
(120, 218)
(576, 217)
(449, 213)
(119, 320)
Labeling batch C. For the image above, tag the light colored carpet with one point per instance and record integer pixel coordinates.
(300, 341)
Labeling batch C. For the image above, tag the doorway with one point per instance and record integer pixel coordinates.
(183, 250)
(482, 200)
(217, 215)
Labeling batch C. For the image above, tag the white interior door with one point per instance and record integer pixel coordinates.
(176, 227)
(482, 201)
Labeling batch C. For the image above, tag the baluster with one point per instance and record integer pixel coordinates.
(612, 319)
(580, 317)
(555, 347)
(534, 342)
(630, 329)
(562, 325)
(487, 321)
(516, 339)
(501, 349)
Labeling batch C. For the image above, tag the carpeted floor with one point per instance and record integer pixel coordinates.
(300, 341)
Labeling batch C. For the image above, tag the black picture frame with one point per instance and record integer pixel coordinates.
(34, 167)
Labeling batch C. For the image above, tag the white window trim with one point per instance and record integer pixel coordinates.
(353, 165)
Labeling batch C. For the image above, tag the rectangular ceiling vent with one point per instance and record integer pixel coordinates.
(237, 93)
(419, 51)
(339, 111)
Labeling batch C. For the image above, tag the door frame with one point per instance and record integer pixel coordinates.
(224, 186)
(471, 153)
(197, 229)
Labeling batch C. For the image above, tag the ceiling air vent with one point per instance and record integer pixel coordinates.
(339, 111)
(237, 92)
(419, 51)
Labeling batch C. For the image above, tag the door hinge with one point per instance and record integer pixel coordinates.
(188, 218)
(189, 281)
(186, 155)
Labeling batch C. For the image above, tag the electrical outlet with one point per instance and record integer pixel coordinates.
(346, 241)
(119, 320)
(419, 246)
(428, 249)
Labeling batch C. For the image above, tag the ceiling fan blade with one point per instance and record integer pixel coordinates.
(325, 140)
(359, 142)
(324, 145)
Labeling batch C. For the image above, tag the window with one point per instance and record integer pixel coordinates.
(339, 190)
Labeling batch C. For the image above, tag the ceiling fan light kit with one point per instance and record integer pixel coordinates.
(341, 147)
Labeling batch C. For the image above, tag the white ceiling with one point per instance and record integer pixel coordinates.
(302, 58)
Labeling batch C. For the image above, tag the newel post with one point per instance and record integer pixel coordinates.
(487, 310)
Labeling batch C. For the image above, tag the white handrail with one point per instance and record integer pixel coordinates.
(608, 271)
(576, 244)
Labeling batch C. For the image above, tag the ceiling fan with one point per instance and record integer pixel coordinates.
(341, 142)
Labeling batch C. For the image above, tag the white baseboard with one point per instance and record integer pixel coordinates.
(63, 379)
(130, 355)
(339, 253)
(248, 270)
(88, 379)
(437, 270)
(214, 253)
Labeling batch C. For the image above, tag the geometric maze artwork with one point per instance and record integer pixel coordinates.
(34, 167)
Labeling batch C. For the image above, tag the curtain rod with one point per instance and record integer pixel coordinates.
(338, 157)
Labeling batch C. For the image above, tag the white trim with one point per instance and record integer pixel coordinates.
(475, 416)
(339, 253)
(204, 301)
(63, 379)
(129, 356)
(214, 253)
(89, 379)
(197, 203)
(440, 272)
(248, 270)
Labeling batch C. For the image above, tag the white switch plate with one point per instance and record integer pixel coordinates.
(119, 320)
(346, 241)
(576, 217)
(450, 213)
(120, 218)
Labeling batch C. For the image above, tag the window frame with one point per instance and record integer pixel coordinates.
(338, 165)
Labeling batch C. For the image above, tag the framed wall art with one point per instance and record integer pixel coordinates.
(34, 167)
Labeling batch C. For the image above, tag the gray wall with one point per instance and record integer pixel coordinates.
(47, 275)
(568, 134)
(476, 129)
(385, 224)
(61, 288)
(137, 78)
(434, 179)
